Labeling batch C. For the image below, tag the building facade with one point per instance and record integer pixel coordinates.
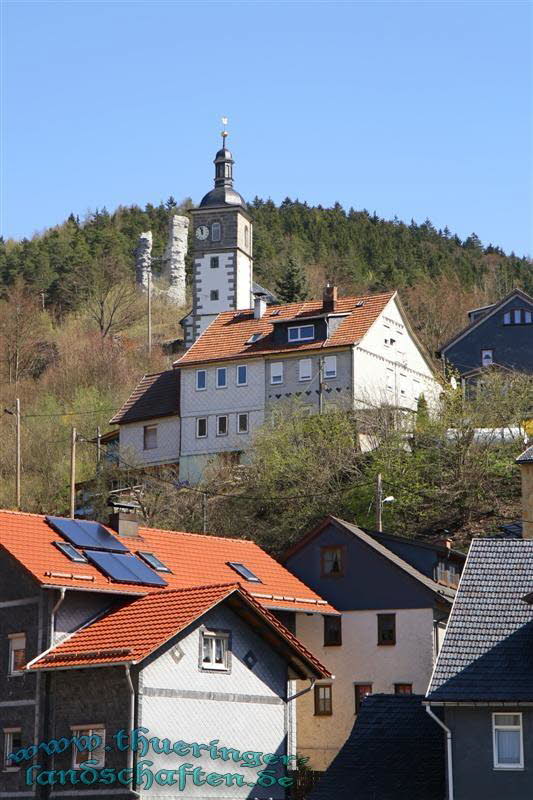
(394, 596)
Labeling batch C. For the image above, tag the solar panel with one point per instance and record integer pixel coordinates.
(86, 534)
(124, 568)
(244, 571)
(70, 552)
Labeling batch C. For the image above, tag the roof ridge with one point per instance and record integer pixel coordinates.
(184, 589)
(201, 535)
(25, 513)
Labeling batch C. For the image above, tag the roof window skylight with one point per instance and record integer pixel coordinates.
(244, 572)
(254, 338)
(70, 552)
(153, 561)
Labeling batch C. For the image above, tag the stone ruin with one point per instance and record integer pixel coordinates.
(173, 261)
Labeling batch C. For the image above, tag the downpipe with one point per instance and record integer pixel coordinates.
(449, 763)
(131, 726)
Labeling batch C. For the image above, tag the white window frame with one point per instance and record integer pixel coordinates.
(517, 316)
(528, 317)
(201, 435)
(151, 430)
(8, 748)
(89, 730)
(330, 373)
(219, 417)
(519, 728)
(211, 665)
(303, 373)
(225, 384)
(507, 319)
(246, 415)
(237, 381)
(299, 337)
(278, 364)
(200, 372)
(487, 363)
(14, 637)
(216, 226)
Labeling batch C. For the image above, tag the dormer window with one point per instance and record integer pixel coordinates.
(216, 232)
(302, 333)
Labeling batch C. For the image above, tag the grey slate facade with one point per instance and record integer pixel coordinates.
(495, 329)
(485, 667)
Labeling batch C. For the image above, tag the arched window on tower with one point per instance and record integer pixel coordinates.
(228, 170)
(246, 236)
(216, 232)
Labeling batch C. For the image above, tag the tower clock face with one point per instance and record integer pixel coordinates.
(202, 232)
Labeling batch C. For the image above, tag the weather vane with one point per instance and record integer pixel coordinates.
(224, 132)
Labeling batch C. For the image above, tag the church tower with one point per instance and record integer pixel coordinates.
(222, 253)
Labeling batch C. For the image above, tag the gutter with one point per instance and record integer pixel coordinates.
(131, 725)
(449, 762)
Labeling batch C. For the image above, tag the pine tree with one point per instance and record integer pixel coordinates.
(292, 287)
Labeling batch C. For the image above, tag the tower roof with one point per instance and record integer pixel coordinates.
(223, 194)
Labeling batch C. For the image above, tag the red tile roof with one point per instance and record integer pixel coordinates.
(227, 336)
(131, 633)
(156, 395)
(195, 560)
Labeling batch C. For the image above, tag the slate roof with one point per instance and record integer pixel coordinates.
(131, 633)
(526, 457)
(394, 752)
(228, 334)
(487, 653)
(195, 560)
(443, 592)
(156, 395)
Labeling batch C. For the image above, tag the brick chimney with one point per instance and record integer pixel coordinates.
(446, 542)
(329, 301)
(526, 469)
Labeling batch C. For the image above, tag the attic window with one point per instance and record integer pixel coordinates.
(254, 338)
(302, 333)
(331, 558)
(153, 561)
(70, 552)
(244, 572)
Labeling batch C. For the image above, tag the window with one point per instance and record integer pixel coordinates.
(242, 375)
(213, 294)
(323, 705)
(517, 316)
(201, 427)
(304, 369)
(302, 333)
(254, 338)
(70, 552)
(508, 746)
(332, 561)
(222, 377)
(216, 232)
(332, 631)
(486, 358)
(246, 236)
(242, 423)
(222, 425)
(403, 688)
(214, 654)
(528, 317)
(507, 318)
(153, 561)
(12, 743)
(362, 690)
(276, 372)
(150, 437)
(330, 367)
(201, 380)
(82, 735)
(214, 262)
(244, 571)
(447, 572)
(17, 652)
(386, 629)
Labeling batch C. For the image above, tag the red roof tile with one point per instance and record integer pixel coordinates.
(195, 560)
(227, 336)
(131, 633)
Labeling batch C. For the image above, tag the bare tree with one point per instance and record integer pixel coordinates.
(23, 329)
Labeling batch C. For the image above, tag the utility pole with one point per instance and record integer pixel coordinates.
(73, 473)
(17, 481)
(149, 312)
(204, 510)
(379, 502)
(98, 448)
(320, 385)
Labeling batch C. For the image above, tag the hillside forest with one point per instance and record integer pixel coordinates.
(73, 345)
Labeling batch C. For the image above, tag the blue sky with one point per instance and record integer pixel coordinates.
(414, 109)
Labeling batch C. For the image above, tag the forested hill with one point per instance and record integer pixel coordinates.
(358, 250)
